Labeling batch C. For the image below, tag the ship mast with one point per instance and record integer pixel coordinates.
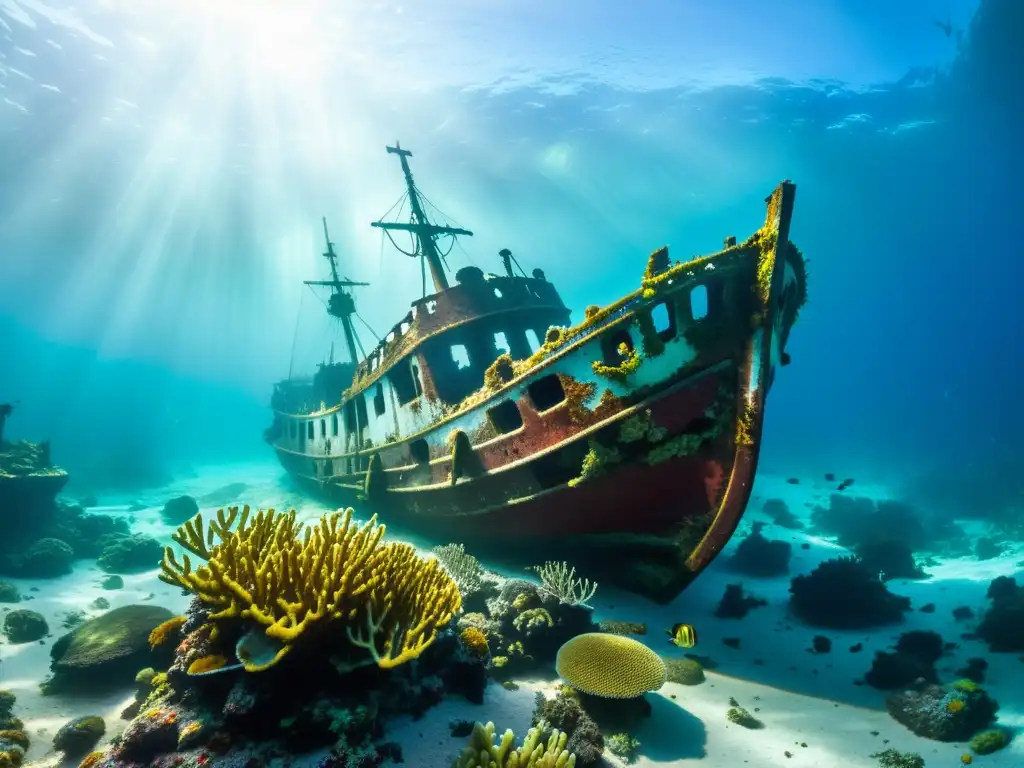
(426, 232)
(341, 304)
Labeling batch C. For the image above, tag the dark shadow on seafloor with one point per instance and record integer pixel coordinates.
(671, 733)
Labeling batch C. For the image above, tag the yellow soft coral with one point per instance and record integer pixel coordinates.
(608, 665)
(955, 705)
(165, 631)
(288, 577)
(207, 664)
(482, 752)
(475, 642)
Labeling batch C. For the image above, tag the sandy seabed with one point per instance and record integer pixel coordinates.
(813, 712)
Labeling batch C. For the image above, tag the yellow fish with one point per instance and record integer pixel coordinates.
(683, 635)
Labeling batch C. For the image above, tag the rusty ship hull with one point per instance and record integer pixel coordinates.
(626, 444)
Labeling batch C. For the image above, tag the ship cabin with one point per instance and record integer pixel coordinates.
(422, 369)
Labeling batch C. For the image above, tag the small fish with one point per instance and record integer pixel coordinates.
(829, 477)
(683, 635)
(793, 481)
(845, 484)
(786, 359)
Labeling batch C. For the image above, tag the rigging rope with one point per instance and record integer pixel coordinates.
(414, 254)
(295, 337)
(443, 214)
(372, 332)
(423, 275)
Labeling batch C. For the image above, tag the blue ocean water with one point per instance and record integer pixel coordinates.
(164, 167)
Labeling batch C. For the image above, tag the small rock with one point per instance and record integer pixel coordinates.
(9, 593)
(46, 559)
(112, 582)
(79, 736)
(25, 626)
(179, 510)
(821, 644)
(130, 554)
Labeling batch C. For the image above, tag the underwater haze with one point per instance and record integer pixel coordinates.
(167, 171)
(165, 166)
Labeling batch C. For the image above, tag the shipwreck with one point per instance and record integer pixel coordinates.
(625, 444)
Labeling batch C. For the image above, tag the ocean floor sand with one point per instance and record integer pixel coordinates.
(813, 711)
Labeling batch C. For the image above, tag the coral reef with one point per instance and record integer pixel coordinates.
(843, 594)
(951, 713)
(1002, 625)
(539, 750)
(288, 579)
(526, 627)
(475, 584)
(14, 742)
(758, 556)
(566, 713)
(203, 711)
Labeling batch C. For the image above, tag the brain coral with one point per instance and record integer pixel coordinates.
(611, 666)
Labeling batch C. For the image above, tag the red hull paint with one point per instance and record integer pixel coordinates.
(634, 525)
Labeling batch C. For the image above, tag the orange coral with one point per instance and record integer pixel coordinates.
(475, 642)
(90, 760)
(165, 631)
(955, 705)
